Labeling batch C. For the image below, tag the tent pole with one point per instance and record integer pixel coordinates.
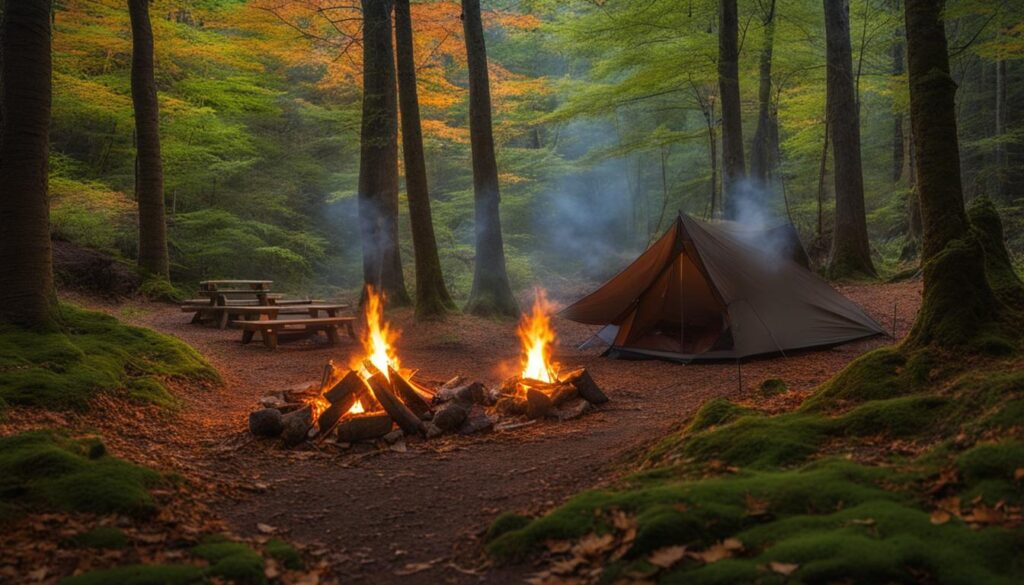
(682, 306)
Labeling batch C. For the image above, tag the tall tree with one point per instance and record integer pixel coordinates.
(149, 172)
(378, 157)
(733, 164)
(765, 140)
(960, 263)
(851, 252)
(26, 264)
(491, 293)
(899, 142)
(432, 298)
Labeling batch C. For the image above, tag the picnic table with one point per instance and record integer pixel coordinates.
(219, 291)
(264, 320)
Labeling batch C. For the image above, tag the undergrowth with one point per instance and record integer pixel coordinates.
(91, 353)
(845, 488)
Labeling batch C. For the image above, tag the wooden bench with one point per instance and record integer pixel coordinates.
(270, 330)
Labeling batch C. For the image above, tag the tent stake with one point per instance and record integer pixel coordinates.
(894, 321)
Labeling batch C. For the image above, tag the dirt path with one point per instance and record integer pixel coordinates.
(388, 517)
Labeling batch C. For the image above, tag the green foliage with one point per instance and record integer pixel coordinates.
(507, 522)
(44, 470)
(92, 353)
(234, 561)
(772, 386)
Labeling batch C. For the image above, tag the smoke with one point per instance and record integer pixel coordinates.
(760, 225)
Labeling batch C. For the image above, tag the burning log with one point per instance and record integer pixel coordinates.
(349, 384)
(266, 422)
(538, 404)
(362, 427)
(406, 419)
(511, 405)
(477, 421)
(408, 394)
(474, 392)
(563, 393)
(451, 416)
(586, 386)
(296, 425)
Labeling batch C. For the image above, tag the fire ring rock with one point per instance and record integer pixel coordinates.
(451, 416)
(266, 422)
(296, 425)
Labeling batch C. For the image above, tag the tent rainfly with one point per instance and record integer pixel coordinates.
(707, 291)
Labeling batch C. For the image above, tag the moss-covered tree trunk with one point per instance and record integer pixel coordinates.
(149, 179)
(432, 298)
(959, 308)
(26, 264)
(851, 252)
(491, 294)
(733, 164)
(378, 157)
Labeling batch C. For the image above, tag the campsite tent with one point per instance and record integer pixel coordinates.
(718, 291)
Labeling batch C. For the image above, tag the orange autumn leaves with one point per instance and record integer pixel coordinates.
(326, 34)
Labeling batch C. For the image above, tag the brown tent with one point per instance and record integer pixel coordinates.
(718, 291)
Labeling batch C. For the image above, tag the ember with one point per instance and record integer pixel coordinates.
(364, 401)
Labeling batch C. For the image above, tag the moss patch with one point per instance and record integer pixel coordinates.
(284, 553)
(235, 561)
(93, 353)
(49, 471)
(99, 537)
(140, 575)
(772, 386)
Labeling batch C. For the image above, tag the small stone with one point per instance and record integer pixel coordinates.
(296, 425)
(477, 421)
(474, 393)
(272, 401)
(574, 410)
(394, 436)
(433, 430)
(451, 416)
(266, 422)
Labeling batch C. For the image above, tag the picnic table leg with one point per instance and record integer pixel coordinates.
(351, 330)
(247, 336)
(332, 334)
(270, 338)
(223, 318)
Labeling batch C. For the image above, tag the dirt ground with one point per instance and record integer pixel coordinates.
(417, 516)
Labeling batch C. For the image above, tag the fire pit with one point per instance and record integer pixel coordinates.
(367, 400)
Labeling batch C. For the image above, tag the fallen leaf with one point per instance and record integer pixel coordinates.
(567, 566)
(265, 528)
(718, 551)
(755, 507)
(1018, 474)
(413, 568)
(668, 556)
(783, 568)
(151, 538)
(940, 517)
(983, 514)
(558, 546)
(593, 545)
(863, 521)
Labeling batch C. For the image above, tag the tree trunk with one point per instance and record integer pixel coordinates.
(851, 252)
(761, 149)
(959, 308)
(733, 165)
(898, 139)
(149, 176)
(491, 293)
(432, 298)
(822, 170)
(378, 157)
(1000, 129)
(26, 265)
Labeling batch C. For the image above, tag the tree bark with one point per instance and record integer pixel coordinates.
(898, 139)
(26, 266)
(149, 175)
(733, 164)
(378, 157)
(762, 149)
(432, 298)
(959, 308)
(851, 252)
(491, 293)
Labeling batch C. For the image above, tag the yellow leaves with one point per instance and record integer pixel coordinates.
(667, 557)
(718, 551)
(938, 517)
(783, 568)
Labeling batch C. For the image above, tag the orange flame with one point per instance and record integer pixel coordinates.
(357, 408)
(378, 338)
(537, 335)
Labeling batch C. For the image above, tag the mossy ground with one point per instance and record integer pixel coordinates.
(92, 353)
(821, 488)
(45, 470)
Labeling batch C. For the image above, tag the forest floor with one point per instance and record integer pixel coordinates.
(417, 516)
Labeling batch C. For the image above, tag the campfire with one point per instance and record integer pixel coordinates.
(366, 400)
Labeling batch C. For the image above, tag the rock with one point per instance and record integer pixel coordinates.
(538, 404)
(394, 436)
(364, 427)
(296, 425)
(478, 421)
(451, 416)
(266, 422)
(574, 410)
(433, 430)
(510, 405)
(272, 401)
(474, 393)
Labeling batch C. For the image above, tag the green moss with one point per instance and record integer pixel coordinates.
(232, 560)
(991, 461)
(140, 575)
(872, 376)
(988, 230)
(899, 417)
(284, 553)
(714, 412)
(48, 471)
(161, 289)
(506, 522)
(759, 441)
(772, 386)
(99, 537)
(93, 353)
